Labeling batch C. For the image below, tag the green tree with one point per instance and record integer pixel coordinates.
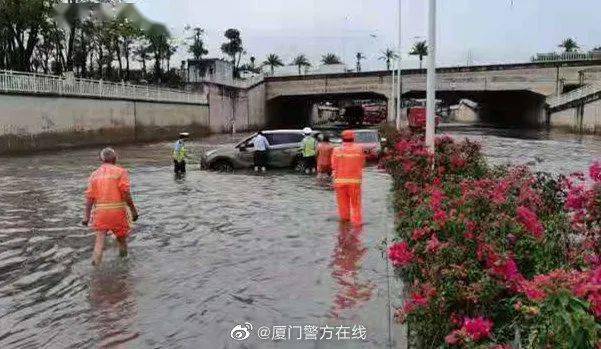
(420, 49)
(158, 37)
(127, 34)
(388, 55)
(273, 61)
(20, 25)
(251, 66)
(233, 48)
(301, 61)
(197, 46)
(569, 45)
(142, 54)
(330, 58)
(359, 56)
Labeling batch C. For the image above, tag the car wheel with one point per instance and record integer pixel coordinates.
(223, 166)
(299, 165)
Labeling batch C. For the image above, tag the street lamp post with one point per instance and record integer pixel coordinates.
(431, 77)
(399, 92)
(393, 90)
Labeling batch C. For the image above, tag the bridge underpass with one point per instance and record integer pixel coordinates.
(295, 111)
(509, 108)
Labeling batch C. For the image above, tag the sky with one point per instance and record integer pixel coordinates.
(469, 31)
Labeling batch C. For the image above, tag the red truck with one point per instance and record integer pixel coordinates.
(416, 117)
(372, 114)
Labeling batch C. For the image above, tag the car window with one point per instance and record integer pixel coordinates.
(284, 138)
(248, 143)
(366, 137)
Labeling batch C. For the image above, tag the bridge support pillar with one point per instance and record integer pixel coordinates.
(391, 109)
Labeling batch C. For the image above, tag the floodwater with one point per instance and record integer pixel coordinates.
(212, 251)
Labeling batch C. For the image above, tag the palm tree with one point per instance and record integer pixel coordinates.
(420, 49)
(388, 55)
(273, 61)
(569, 45)
(330, 58)
(301, 61)
(359, 56)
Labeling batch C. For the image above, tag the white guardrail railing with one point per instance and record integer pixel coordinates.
(21, 82)
(585, 91)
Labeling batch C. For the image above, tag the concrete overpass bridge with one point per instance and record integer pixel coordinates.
(509, 94)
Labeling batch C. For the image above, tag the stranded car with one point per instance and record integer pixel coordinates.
(371, 143)
(284, 151)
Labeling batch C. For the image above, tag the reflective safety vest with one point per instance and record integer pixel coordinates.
(347, 164)
(106, 190)
(309, 146)
(179, 151)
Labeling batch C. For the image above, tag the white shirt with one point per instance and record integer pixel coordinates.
(260, 143)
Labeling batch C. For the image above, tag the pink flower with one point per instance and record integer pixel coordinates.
(400, 254)
(434, 245)
(473, 330)
(595, 171)
(505, 268)
(412, 187)
(452, 338)
(575, 199)
(440, 217)
(478, 328)
(436, 199)
(403, 146)
(499, 194)
(419, 298)
(470, 227)
(420, 233)
(530, 221)
(408, 165)
(532, 291)
(457, 161)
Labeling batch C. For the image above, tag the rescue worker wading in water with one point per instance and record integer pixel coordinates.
(109, 204)
(180, 153)
(347, 171)
(324, 156)
(309, 151)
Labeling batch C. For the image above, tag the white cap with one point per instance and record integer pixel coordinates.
(307, 130)
(184, 134)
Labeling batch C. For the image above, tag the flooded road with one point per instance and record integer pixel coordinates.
(208, 253)
(211, 251)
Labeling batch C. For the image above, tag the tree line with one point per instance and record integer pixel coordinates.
(53, 37)
(96, 40)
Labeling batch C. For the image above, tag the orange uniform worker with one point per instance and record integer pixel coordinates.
(324, 156)
(347, 170)
(109, 204)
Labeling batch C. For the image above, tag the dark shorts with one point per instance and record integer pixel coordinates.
(260, 158)
(310, 161)
(179, 166)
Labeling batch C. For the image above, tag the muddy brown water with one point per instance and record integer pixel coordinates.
(211, 251)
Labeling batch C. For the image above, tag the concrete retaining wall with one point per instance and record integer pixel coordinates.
(568, 119)
(245, 107)
(30, 123)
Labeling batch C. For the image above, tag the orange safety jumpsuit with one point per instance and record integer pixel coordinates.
(324, 157)
(106, 190)
(347, 166)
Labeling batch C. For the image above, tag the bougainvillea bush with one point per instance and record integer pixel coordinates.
(494, 257)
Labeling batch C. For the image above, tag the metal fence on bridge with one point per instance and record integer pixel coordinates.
(575, 95)
(22, 82)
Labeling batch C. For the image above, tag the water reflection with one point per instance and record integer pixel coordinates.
(113, 304)
(346, 265)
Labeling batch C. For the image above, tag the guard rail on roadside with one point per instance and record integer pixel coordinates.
(575, 95)
(22, 82)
